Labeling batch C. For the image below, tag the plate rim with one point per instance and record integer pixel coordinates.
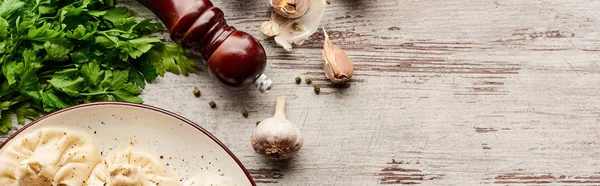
(142, 106)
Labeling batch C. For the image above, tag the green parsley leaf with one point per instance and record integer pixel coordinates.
(96, 13)
(10, 70)
(3, 49)
(44, 33)
(5, 122)
(30, 86)
(14, 70)
(57, 51)
(147, 26)
(137, 78)
(9, 7)
(113, 79)
(128, 93)
(51, 102)
(156, 59)
(130, 88)
(71, 15)
(43, 10)
(136, 47)
(46, 7)
(4, 88)
(110, 98)
(68, 81)
(5, 105)
(127, 25)
(107, 41)
(80, 55)
(171, 58)
(3, 28)
(121, 95)
(117, 14)
(92, 73)
(148, 70)
(185, 64)
(24, 110)
(80, 33)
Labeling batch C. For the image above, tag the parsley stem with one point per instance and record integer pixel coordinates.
(45, 73)
(112, 30)
(106, 35)
(15, 48)
(65, 66)
(46, 77)
(7, 93)
(93, 94)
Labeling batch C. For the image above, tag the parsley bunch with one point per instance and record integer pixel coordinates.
(59, 53)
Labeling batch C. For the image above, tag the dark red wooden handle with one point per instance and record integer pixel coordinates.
(233, 57)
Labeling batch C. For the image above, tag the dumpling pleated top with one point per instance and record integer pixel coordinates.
(128, 167)
(49, 157)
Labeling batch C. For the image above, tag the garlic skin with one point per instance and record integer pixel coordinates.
(290, 8)
(296, 31)
(269, 28)
(338, 67)
(276, 137)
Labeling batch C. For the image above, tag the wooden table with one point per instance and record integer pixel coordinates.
(462, 92)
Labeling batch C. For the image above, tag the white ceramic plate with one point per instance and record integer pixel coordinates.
(186, 148)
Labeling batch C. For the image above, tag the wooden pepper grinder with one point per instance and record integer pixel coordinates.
(234, 58)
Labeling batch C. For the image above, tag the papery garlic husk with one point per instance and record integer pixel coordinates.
(277, 137)
(297, 30)
(338, 67)
(269, 28)
(290, 8)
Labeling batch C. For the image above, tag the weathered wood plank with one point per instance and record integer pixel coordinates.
(445, 93)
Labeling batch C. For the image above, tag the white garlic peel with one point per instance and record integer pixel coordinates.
(276, 137)
(296, 31)
(269, 28)
(338, 67)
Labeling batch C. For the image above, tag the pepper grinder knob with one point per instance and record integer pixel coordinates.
(263, 83)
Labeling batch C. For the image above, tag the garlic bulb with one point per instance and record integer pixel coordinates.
(297, 30)
(290, 8)
(276, 137)
(338, 67)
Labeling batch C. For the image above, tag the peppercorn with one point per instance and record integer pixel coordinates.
(298, 80)
(196, 92)
(245, 113)
(308, 80)
(212, 104)
(317, 89)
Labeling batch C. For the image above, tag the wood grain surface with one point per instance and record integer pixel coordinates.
(461, 92)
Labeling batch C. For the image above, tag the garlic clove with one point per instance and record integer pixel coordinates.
(338, 67)
(296, 31)
(269, 28)
(290, 8)
(276, 137)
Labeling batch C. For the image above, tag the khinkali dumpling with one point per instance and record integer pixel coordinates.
(128, 167)
(49, 156)
(210, 179)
